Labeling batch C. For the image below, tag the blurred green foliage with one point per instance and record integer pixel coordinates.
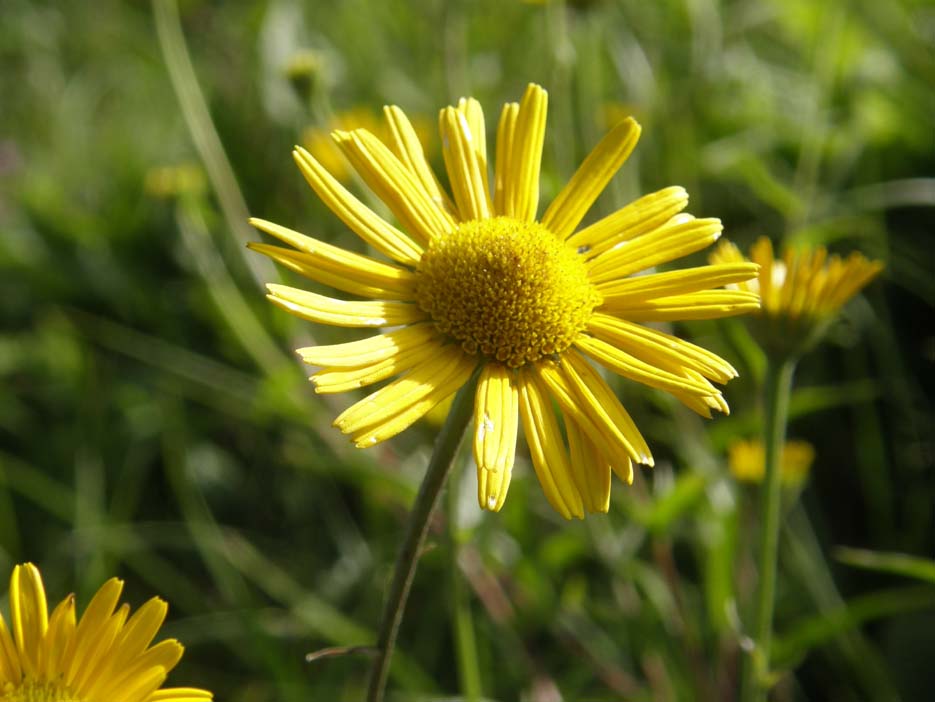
(154, 425)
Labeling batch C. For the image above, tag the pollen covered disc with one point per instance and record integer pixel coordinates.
(507, 289)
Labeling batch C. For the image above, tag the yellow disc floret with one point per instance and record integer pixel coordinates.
(507, 289)
(35, 691)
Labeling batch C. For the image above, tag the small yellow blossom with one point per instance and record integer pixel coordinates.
(800, 292)
(747, 461)
(105, 656)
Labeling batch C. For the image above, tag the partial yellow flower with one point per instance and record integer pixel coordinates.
(805, 283)
(747, 461)
(801, 293)
(175, 181)
(101, 657)
(476, 279)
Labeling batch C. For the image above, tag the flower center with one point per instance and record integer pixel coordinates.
(35, 691)
(507, 289)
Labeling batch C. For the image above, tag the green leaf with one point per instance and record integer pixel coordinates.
(887, 562)
(823, 627)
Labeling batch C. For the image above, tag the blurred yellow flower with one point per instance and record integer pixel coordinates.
(478, 280)
(799, 292)
(747, 461)
(174, 181)
(102, 657)
(804, 283)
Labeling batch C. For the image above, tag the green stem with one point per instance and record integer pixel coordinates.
(779, 372)
(204, 135)
(439, 466)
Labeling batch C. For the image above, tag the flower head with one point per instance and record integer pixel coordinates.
(101, 657)
(477, 278)
(801, 291)
(747, 460)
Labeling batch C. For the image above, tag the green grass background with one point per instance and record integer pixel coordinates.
(154, 423)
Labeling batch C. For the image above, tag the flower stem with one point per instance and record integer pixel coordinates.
(439, 466)
(779, 372)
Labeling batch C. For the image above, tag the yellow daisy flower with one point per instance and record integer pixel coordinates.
(800, 292)
(477, 279)
(101, 657)
(804, 283)
(746, 460)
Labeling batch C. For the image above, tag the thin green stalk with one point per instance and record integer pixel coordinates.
(465, 641)
(439, 466)
(779, 372)
(204, 135)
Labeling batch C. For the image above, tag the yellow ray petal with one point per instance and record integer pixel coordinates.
(492, 487)
(685, 280)
(93, 653)
(355, 354)
(138, 684)
(464, 168)
(707, 304)
(140, 630)
(657, 347)
(589, 468)
(639, 217)
(474, 114)
(331, 380)
(506, 130)
(576, 198)
(408, 149)
(9, 658)
(411, 387)
(339, 268)
(58, 637)
(415, 404)
(180, 694)
(631, 367)
(343, 313)
(586, 398)
(681, 236)
(496, 424)
(360, 219)
(496, 421)
(29, 614)
(92, 625)
(546, 447)
(522, 196)
(396, 185)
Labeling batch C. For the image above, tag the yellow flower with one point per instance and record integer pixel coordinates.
(746, 460)
(805, 283)
(801, 292)
(102, 657)
(476, 279)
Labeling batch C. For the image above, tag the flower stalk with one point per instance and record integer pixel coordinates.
(778, 385)
(446, 447)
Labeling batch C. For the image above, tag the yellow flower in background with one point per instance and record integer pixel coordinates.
(747, 461)
(800, 293)
(101, 657)
(175, 181)
(805, 283)
(477, 279)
